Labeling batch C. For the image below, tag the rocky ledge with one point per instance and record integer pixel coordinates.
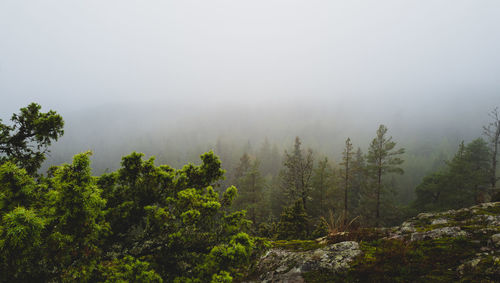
(461, 245)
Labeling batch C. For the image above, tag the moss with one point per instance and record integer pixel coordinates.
(449, 223)
(320, 276)
(492, 210)
(363, 234)
(487, 270)
(297, 245)
(421, 223)
(445, 259)
(461, 215)
(400, 261)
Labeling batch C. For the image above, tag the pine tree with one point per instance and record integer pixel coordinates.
(346, 176)
(250, 185)
(322, 184)
(293, 223)
(463, 182)
(242, 167)
(382, 158)
(359, 192)
(297, 174)
(492, 131)
(26, 141)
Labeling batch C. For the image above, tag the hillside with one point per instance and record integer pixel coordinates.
(461, 245)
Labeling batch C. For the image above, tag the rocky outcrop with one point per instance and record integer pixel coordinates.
(280, 265)
(461, 245)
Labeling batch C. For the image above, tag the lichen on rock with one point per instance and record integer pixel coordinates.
(280, 265)
(456, 245)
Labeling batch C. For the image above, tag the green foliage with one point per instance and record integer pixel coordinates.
(20, 241)
(294, 222)
(322, 189)
(142, 223)
(28, 138)
(382, 158)
(250, 186)
(399, 261)
(361, 197)
(125, 270)
(320, 230)
(176, 220)
(463, 182)
(16, 187)
(75, 217)
(149, 223)
(492, 132)
(347, 156)
(297, 173)
(222, 277)
(297, 245)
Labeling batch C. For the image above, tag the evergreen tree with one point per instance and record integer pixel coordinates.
(297, 173)
(277, 198)
(242, 167)
(250, 186)
(75, 220)
(492, 131)
(141, 223)
(382, 158)
(463, 182)
(176, 220)
(17, 188)
(346, 172)
(322, 183)
(360, 194)
(293, 223)
(26, 141)
(270, 159)
(478, 158)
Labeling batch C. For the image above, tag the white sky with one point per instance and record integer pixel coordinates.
(398, 55)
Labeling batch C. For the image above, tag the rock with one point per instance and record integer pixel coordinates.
(322, 240)
(453, 232)
(493, 220)
(425, 215)
(468, 266)
(495, 240)
(439, 221)
(279, 265)
(470, 252)
(407, 227)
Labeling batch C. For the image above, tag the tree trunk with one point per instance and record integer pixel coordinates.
(345, 190)
(379, 183)
(254, 202)
(494, 164)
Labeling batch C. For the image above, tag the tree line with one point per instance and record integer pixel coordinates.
(361, 186)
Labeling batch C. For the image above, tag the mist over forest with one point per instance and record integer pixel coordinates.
(171, 79)
(277, 98)
(179, 132)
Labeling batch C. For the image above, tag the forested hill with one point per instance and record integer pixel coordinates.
(151, 222)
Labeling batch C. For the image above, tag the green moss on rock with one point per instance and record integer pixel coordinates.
(297, 245)
(457, 245)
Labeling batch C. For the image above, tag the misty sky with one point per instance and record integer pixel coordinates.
(410, 59)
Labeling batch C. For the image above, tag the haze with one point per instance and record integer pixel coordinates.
(183, 74)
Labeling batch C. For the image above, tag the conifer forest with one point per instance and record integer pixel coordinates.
(262, 141)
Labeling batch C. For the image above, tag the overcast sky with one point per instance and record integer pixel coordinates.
(395, 56)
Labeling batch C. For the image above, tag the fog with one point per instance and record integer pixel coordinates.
(178, 76)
